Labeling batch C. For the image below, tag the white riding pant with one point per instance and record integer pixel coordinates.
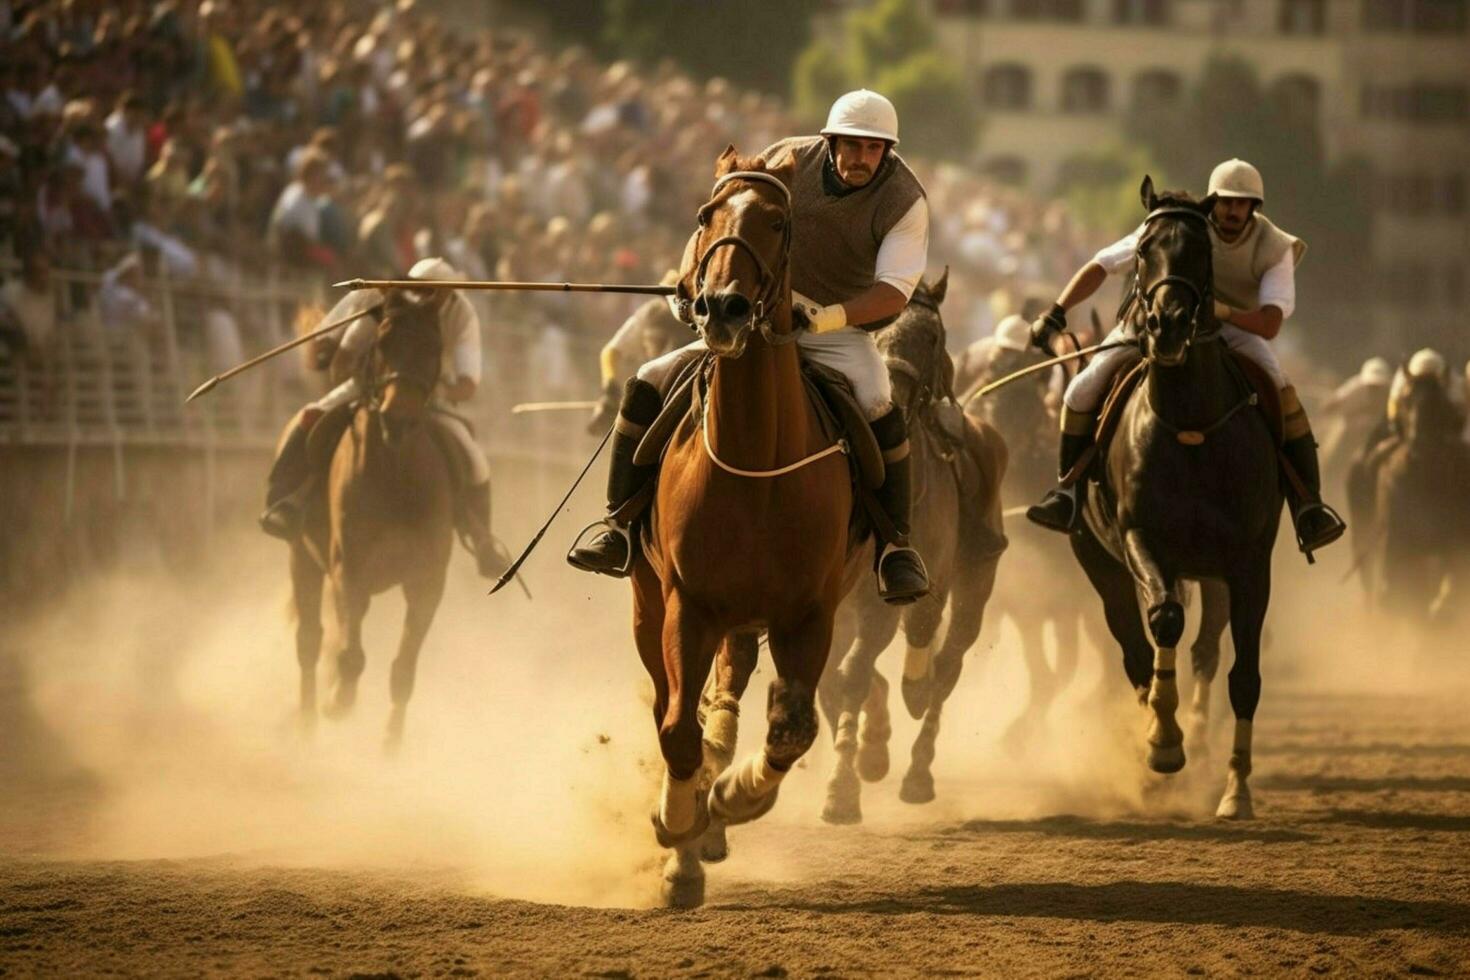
(850, 351)
(473, 453)
(1087, 390)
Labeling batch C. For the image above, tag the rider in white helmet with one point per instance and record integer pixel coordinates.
(291, 480)
(859, 243)
(1255, 291)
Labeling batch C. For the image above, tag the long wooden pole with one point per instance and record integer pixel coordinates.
(288, 345)
(1040, 366)
(535, 287)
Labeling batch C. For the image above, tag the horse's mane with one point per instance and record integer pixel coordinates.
(1177, 199)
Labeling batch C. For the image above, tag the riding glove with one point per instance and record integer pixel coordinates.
(1048, 325)
(819, 318)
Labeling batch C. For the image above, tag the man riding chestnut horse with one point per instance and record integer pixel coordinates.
(1255, 291)
(859, 243)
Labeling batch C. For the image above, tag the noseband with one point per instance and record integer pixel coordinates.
(1149, 292)
(770, 280)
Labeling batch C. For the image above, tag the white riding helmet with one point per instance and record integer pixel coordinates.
(1375, 371)
(1236, 178)
(1428, 363)
(434, 268)
(865, 114)
(1013, 333)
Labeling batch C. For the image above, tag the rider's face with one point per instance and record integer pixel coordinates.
(1231, 215)
(857, 159)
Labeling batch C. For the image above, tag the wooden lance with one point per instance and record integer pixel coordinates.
(534, 287)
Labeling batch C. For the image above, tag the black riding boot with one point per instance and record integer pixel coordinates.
(474, 521)
(611, 551)
(1317, 525)
(902, 577)
(1061, 508)
(287, 487)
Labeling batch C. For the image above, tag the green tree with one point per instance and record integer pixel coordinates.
(753, 43)
(891, 47)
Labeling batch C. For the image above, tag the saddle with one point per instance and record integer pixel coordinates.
(827, 391)
(324, 437)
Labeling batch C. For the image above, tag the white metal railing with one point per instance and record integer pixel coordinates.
(121, 385)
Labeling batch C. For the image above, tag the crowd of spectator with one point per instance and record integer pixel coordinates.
(247, 140)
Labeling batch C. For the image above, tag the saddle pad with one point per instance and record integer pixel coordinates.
(1268, 398)
(1117, 400)
(676, 406)
(842, 417)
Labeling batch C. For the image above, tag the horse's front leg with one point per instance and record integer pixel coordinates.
(422, 600)
(307, 580)
(1166, 624)
(748, 789)
(734, 666)
(852, 683)
(1250, 594)
(1205, 656)
(352, 601)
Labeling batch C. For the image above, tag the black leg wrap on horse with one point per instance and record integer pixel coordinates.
(902, 577)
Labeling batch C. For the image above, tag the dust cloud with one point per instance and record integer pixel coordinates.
(158, 719)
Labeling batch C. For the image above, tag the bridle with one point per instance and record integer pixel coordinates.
(1200, 295)
(770, 280)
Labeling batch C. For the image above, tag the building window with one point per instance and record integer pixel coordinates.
(1151, 12)
(1300, 96)
(1156, 89)
(1421, 16)
(1048, 9)
(1006, 170)
(1008, 88)
(1085, 90)
(962, 8)
(1424, 103)
(1303, 16)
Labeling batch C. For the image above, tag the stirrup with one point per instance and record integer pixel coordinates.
(608, 524)
(1335, 531)
(899, 597)
(1040, 515)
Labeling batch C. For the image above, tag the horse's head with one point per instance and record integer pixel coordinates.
(735, 273)
(1175, 273)
(913, 346)
(1424, 410)
(405, 365)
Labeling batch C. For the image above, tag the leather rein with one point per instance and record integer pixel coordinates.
(771, 280)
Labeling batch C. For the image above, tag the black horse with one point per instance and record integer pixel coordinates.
(1188, 490)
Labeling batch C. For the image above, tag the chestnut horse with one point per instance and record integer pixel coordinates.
(749, 527)
(385, 520)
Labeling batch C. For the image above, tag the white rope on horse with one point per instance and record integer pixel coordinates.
(840, 446)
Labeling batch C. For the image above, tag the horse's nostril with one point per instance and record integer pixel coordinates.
(737, 306)
(701, 306)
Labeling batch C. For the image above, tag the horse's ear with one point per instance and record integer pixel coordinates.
(940, 287)
(1207, 206)
(1146, 193)
(727, 161)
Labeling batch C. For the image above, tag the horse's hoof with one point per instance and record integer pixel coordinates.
(917, 696)
(844, 799)
(714, 846)
(1236, 806)
(872, 761)
(1166, 759)
(1166, 623)
(683, 891)
(918, 787)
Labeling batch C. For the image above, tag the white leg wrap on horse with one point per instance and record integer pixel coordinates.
(756, 778)
(721, 727)
(918, 661)
(1165, 689)
(676, 805)
(1240, 753)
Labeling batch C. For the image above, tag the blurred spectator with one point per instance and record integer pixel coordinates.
(296, 220)
(28, 307)
(127, 143)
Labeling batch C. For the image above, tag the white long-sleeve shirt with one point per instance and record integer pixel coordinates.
(1278, 284)
(459, 328)
(904, 251)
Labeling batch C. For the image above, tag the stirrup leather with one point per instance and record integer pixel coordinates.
(608, 524)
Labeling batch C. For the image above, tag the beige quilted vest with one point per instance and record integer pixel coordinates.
(1239, 265)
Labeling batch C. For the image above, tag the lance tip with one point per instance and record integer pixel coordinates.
(201, 389)
(348, 284)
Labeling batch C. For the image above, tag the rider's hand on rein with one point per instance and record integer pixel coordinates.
(1047, 326)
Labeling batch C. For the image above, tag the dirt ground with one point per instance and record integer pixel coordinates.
(162, 817)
